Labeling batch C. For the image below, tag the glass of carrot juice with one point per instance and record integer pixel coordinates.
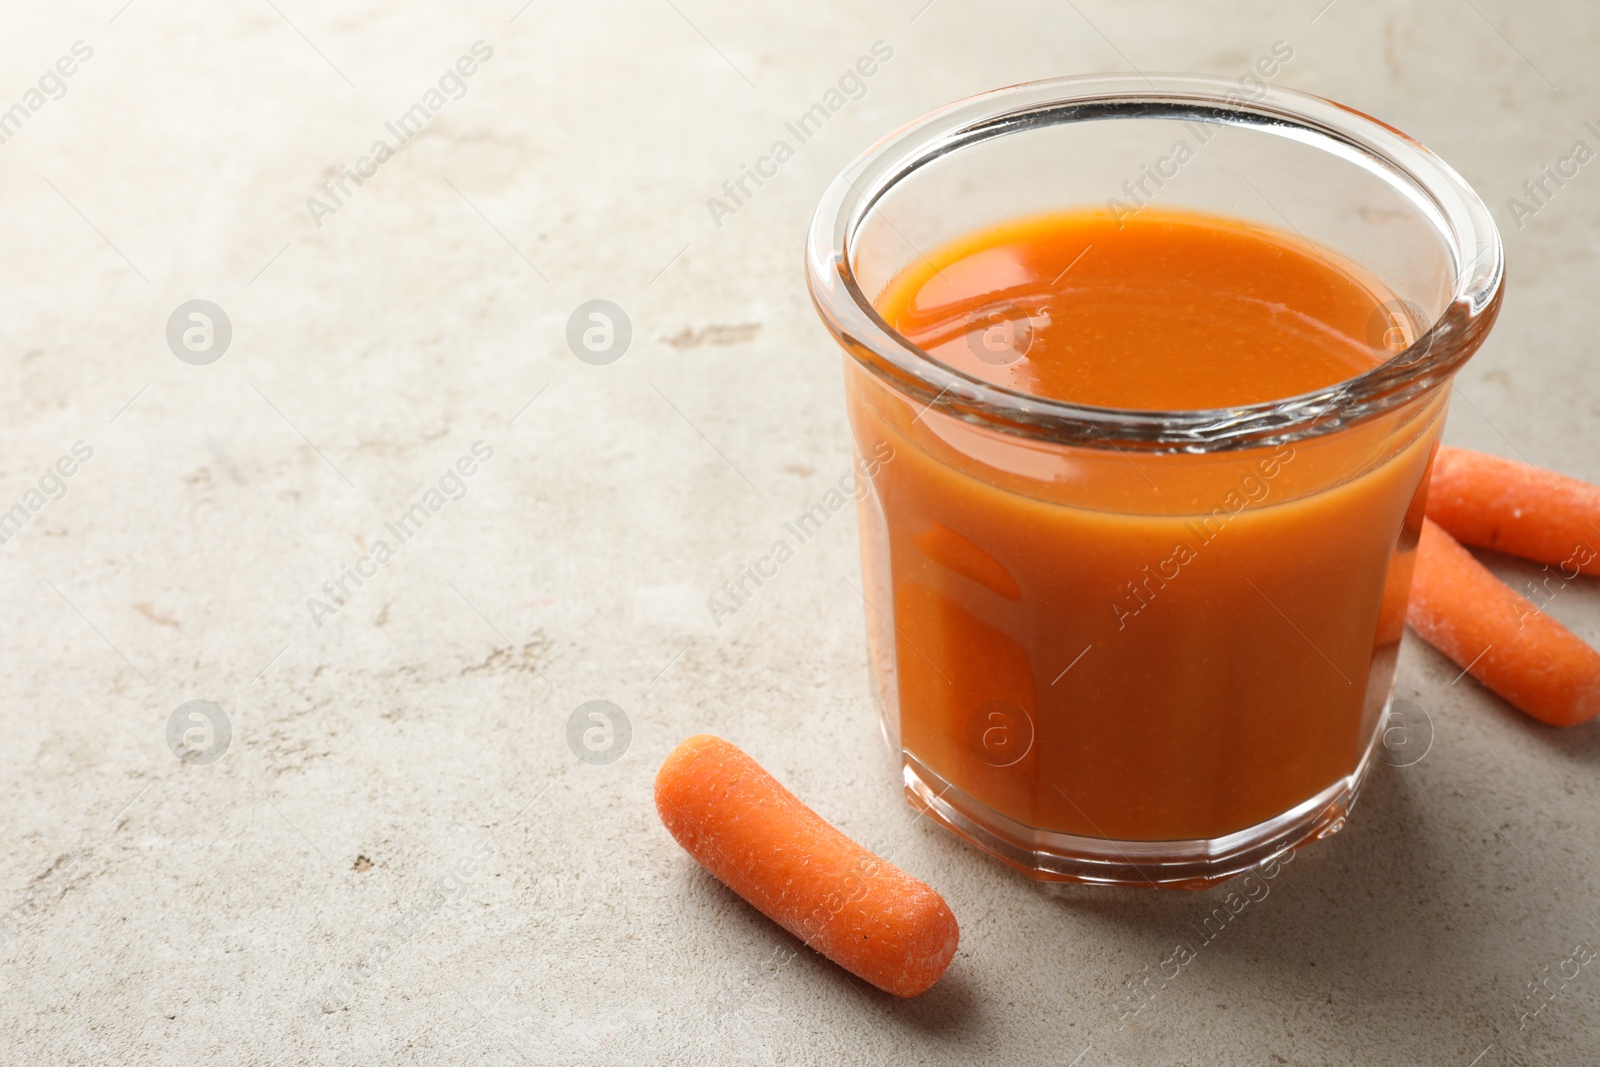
(1145, 376)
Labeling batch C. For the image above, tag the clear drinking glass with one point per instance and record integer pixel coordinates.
(1063, 686)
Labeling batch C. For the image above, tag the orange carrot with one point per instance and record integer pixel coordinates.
(1511, 507)
(1505, 642)
(866, 915)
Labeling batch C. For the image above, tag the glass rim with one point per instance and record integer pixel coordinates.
(1428, 183)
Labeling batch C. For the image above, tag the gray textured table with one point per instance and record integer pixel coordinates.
(399, 857)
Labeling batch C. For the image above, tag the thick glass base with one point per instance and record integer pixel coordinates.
(1055, 857)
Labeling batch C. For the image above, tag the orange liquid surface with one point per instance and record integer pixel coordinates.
(1133, 645)
(1171, 312)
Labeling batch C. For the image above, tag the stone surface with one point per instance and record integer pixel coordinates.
(399, 809)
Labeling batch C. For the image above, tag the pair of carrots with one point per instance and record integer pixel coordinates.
(1504, 640)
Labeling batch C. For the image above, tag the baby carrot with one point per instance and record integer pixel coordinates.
(1531, 660)
(861, 912)
(1511, 507)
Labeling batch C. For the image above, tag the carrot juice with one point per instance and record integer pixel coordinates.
(1151, 373)
(1106, 644)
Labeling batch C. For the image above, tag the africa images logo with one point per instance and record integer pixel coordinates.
(408, 124)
